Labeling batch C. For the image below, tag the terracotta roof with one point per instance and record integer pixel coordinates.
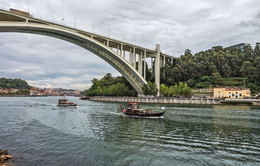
(233, 89)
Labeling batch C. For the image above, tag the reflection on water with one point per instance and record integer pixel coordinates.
(231, 107)
(98, 133)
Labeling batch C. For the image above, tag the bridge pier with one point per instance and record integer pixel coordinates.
(134, 58)
(157, 68)
(140, 61)
(144, 64)
(152, 66)
(131, 57)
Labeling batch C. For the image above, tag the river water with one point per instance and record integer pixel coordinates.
(38, 132)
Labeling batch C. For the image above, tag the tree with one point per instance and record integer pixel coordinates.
(216, 78)
(164, 90)
(99, 91)
(257, 50)
(191, 83)
(150, 89)
(110, 86)
(245, 69)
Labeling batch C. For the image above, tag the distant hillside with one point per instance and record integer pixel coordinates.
(8, 83)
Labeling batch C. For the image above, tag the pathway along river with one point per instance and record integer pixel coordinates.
(38, 132)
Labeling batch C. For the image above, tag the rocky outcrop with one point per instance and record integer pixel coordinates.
(4, 157)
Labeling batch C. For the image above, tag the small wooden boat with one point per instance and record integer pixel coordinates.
(134, 109)
(65, 102)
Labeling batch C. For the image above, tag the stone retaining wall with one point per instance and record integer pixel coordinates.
(163, 100)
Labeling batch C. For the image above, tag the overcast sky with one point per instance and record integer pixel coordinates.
(176, 25)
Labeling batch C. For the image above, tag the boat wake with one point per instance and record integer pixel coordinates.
(115, 113)
(144, 117)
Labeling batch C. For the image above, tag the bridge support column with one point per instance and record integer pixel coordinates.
(164, 66)
(145, 64)
(140, 65)
(152, 66)
(121, 50)
(157, 68)
(134, 58)
(130, 57)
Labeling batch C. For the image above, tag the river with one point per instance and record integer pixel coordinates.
(38, 132)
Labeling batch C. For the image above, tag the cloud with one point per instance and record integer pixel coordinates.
(175, 25)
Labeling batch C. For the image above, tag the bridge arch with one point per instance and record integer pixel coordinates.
(90, 44)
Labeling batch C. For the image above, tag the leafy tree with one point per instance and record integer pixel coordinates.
(216, 78)
(164, 90)
(245, 69)
(8, 83)
(150, 89)
(110, 86)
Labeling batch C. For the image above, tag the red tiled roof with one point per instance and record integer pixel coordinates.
(233, 89)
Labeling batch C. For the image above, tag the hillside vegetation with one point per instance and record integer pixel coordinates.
(8, 83)
(220, 66)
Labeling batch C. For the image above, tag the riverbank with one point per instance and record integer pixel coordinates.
(172, 100)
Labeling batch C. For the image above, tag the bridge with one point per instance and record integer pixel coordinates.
(113, 51)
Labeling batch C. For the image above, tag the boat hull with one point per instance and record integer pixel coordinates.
(149, 114)
(67, 105)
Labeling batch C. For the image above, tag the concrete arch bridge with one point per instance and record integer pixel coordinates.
(112, 51)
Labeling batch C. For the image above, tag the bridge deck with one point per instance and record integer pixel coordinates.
(113, 43)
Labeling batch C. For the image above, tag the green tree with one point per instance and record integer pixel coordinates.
(216, 78)
(150, 89)
(164, 90)
(245, 69)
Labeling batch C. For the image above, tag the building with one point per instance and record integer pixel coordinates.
(232, 93)
(240, 46)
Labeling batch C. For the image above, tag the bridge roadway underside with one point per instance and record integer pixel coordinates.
(105, 53)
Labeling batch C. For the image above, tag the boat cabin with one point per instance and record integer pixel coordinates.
(131, 106)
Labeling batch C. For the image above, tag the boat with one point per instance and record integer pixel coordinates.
(134, 109)
(65, 102)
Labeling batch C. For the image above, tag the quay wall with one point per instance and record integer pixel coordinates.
(159, 100)
(253, 101)
(171, 100)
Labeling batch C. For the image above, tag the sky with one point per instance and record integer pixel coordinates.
(176, 25)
